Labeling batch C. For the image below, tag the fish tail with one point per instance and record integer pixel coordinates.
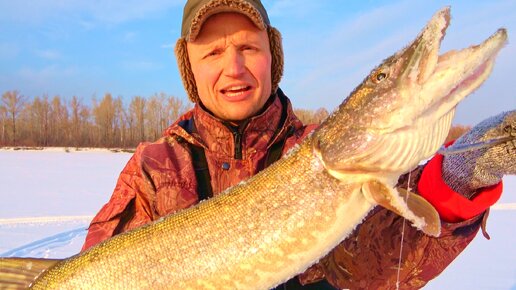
(20, 273)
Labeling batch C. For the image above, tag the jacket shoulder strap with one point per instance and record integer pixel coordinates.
(200, 165)
(274, 153)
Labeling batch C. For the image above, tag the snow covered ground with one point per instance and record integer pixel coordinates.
(48, 198)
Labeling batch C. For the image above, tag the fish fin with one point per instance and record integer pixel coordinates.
(421, 207)
(19, 273)
(414, 208)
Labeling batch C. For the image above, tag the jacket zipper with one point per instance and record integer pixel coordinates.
(237, 136)
(238, 132)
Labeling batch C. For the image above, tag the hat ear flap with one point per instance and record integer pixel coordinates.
(277, 64)
(185, 70)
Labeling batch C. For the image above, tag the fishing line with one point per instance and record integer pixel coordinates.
(402, 237)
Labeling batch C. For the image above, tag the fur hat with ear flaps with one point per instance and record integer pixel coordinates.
(194, 15)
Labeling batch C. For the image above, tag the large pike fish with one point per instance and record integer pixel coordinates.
(276, 224)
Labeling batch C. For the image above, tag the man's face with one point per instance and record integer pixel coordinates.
(231, 63)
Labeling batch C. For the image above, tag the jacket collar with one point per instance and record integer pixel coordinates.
(255, 134)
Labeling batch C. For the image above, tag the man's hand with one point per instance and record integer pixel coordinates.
(482, 156)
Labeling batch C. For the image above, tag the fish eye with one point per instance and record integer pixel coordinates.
(379, 76)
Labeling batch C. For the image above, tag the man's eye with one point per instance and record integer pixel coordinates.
(212, 53)
(245, 48)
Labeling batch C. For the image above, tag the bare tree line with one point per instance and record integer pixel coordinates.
(107, 122)
(311, 116)
(456, 131)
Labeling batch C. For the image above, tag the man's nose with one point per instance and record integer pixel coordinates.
(234, 63)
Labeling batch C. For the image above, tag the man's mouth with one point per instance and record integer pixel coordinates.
(235, 91)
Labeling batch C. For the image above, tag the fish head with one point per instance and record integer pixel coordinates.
(402, 111)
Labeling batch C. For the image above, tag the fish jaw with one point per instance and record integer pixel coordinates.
(458, 74)
(402, 112)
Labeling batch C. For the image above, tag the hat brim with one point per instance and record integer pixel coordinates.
(221, 6)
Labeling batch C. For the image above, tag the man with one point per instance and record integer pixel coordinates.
(231, 61)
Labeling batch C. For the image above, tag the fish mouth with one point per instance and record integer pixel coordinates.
(427, 88)
(437, 83)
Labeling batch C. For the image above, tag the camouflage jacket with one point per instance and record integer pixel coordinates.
(159, 179)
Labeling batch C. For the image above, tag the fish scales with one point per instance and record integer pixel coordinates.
(256, 224)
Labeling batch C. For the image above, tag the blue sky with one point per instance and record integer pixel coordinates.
(88, 48)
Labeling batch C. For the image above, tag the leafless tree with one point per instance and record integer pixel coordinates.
(154, 115)
(86, 137)
(311, 117)
(3, 122)
(58, 122)
(75, 121)
(456, 131)
(105, 120)
(137, 116)
(175, 107)
(38, 113)
(119, 122)
(13, 102)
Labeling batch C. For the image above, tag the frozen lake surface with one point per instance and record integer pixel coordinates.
(48, 198)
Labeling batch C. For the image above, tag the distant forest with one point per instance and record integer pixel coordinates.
(105, 123)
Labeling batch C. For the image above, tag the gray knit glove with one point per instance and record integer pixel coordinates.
(482, 156)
